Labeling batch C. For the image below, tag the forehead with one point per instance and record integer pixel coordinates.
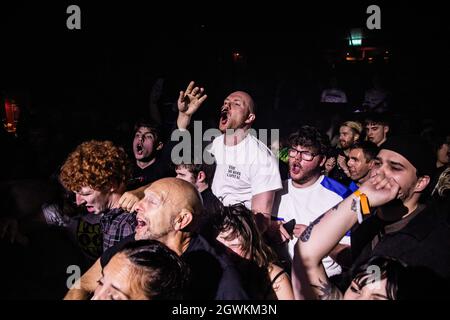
(144, 130)
(155, 191)
(225, 234)
(376, 288)
(118, 270)
(119, 264)
(374, 125)
(345, 129)
(301, 148)
(164, 190)
(87, 190)
(391, 156)
(182, 169)
(238, 96)
(356, 153)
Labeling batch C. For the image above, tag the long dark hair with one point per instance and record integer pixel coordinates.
(389, 269)
(241, 223)
(163, 273)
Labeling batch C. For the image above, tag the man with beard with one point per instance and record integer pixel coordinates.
(349, 134)
(247, 171)
(308, 193)
(399, 226)
(170, 212)
(405, 228)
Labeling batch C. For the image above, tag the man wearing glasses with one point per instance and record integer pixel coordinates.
(308, 193)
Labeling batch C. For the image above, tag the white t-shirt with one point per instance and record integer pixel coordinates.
(306, 204)
(244, 170)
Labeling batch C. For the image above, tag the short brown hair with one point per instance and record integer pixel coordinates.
(208, 169)
(99, 165)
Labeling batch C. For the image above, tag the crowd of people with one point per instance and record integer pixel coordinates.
(355, 212)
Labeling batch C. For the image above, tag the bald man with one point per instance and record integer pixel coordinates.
(170, 212)
(247, 171)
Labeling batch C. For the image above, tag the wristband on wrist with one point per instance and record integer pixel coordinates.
(362, 206)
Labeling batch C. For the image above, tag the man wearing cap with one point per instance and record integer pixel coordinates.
(405, 228)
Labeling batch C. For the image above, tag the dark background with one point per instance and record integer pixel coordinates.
(93, 82)
(74, 85)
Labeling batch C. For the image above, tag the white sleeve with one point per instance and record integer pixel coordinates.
(264, 174)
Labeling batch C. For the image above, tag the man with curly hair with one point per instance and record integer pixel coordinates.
(308, 193)
(97, 172)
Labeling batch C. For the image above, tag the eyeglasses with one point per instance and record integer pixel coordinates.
(306, 155)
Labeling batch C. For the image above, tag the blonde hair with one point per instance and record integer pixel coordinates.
(354, 125)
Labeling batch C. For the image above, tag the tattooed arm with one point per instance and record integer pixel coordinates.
(309, 279)
(321, 236)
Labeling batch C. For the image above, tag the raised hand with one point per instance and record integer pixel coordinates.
(343, 164)
(188, 103)
(330, 164)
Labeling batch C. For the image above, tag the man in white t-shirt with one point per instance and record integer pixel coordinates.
(246, 171)
(307, 193)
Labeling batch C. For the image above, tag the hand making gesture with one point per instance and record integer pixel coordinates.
(188, 103)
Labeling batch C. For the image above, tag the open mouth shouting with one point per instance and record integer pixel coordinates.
(140, 223)
(224, 117)
(90, 209)
(296, 168)
(139, 149)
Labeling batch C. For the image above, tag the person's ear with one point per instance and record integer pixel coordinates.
(357, 136)
(160, 145)
(251, 118)
(386, 129)
(201, 177)
(422, 183)
(183, 219)
(322, 162)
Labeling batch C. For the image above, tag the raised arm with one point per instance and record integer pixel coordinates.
(313, 246)
(86, 285)
(188, 103)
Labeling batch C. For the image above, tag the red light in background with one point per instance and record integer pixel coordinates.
(12, 112)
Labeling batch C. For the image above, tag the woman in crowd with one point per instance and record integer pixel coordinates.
(142, 270)
(255, 260)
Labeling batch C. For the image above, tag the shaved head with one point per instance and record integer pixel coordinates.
(165, 202)
(179, 193)
(247, 99)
